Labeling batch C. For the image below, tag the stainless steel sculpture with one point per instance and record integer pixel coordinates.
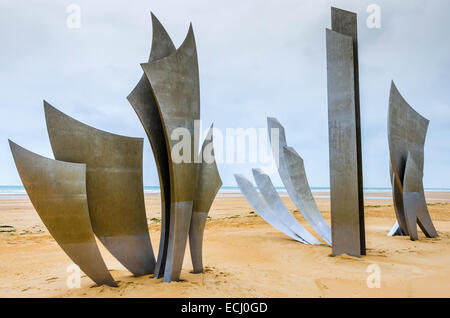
(57, 191)
(407, 134)
(207, 185)
(175, 84)
(282, 213)
(412, 188)
(395, 230)
(273, 210)
(114, 186)
(143, 102)
(346, 186)
(270, 216)
(293, 176)
(167, 101)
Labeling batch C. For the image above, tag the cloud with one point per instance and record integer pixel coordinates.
(257, 59)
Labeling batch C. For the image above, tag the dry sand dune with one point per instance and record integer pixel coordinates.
(244, 257)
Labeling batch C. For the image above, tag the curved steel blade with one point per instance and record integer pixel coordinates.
(208, 184)
(294, 185)
(252, 196)
(57, 190)
(114, 186)
(411, 196)
(396, 230)
(175, 84)
(274, 201)
(407, 131)
(414, 202)
(144, 104)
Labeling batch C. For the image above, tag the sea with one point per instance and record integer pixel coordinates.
(16, 190)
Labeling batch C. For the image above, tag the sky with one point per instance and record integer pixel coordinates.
(256, 58)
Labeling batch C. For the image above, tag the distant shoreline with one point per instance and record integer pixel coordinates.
(20, 190)
(433, 195)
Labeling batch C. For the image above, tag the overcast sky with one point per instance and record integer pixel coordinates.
(257, 59)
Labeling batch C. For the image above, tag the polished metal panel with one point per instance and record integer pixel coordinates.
(295, 186)
(275, 203)
(343, 147)
(414, 201)
(196, 230)
(397, 197)
(396, 230)
(255, 200)
(208, 184)
(412, 187)
(114, 186)
(180, 221)
(345, 22)
(407, 132)
(424, 219)
(175, 84)
(296, 170)
(57, 191)
(144, 104)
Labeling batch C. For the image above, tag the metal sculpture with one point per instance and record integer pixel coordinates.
(189, 187)
(143, 102)
(167, 102)
(412, 187)
(175, 84)
(346, 186)
(295, 182)
(57, 191)
(273, 210)
(114, 186)
(407, 133)
(395, 230)
(270, 216)
(274, 201)
(207, 185)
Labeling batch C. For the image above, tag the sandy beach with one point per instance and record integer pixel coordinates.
(243, 257)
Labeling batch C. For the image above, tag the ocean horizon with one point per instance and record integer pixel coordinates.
(17, 189)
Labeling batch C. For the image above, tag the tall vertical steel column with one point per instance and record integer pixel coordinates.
(346, 184)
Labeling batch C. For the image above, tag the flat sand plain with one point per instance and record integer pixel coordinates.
(243, 257)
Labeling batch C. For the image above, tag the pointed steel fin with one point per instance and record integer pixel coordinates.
(295, 185)
(144, 104)
(57, 191)
(208, 184)
(175, 85)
